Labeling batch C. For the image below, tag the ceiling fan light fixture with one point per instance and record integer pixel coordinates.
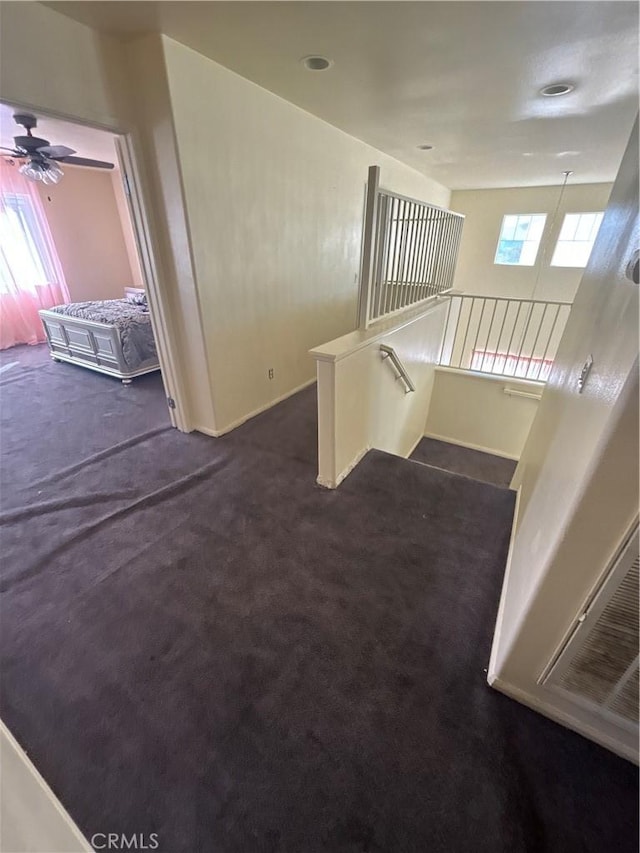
(32, 171)
(52, 175)
(47, 173)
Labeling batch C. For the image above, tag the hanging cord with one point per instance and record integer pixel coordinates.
(554, 217)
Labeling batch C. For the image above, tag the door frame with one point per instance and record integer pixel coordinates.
(158, 308)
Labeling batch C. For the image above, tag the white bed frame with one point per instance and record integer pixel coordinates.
(90, 344)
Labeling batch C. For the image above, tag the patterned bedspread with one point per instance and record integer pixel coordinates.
(132, 320)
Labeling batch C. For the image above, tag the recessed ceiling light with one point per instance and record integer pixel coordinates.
(554, 90)
(425, 147)
(316, 63)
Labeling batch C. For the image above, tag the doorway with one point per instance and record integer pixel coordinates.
(86, 228)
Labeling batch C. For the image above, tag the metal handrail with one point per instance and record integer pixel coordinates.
(389, 352)
(463, 294)
(381, 190)
(515, 392)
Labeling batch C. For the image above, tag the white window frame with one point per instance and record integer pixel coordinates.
(24, 249)
(572, 226)
(530, 245)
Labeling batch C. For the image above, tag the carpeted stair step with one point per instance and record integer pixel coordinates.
(402, 486)
(459, 474)
(476, 464)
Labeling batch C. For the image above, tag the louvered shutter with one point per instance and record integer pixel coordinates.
(599, 663)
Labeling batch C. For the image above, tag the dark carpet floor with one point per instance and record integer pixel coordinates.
(198, 641)
(464, 460)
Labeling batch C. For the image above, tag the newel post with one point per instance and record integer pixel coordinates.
(368, 247)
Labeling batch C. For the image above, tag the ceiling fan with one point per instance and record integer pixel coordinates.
(42, 159)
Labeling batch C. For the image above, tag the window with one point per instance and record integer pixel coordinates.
(520, 237)
(576, 239)
(23, 251)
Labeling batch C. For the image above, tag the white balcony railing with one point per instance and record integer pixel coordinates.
(409, 252)
(503, 336)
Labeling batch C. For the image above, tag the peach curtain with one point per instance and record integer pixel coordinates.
(31, 276)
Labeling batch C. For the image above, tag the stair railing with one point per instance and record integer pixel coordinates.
(409, 252)
(503, 336)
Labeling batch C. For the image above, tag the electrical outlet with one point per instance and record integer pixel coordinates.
(271, 373)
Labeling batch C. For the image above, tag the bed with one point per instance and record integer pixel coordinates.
(112, 336)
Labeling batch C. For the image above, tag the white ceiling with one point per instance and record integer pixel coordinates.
(96, 144)
(462, 76)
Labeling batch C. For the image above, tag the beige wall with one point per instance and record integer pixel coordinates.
(128, 234)
(474, 411)
(85, 224)
(484, 210)
(578, 471)
(274, 202)
(52, 63)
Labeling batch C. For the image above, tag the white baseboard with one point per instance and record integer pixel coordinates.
(497, 633)
(206, 431)
(417, 442)
(490, 450)
(218, 432)
(564, 718)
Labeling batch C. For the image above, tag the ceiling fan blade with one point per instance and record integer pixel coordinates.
(55, 152)
(84, 161)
